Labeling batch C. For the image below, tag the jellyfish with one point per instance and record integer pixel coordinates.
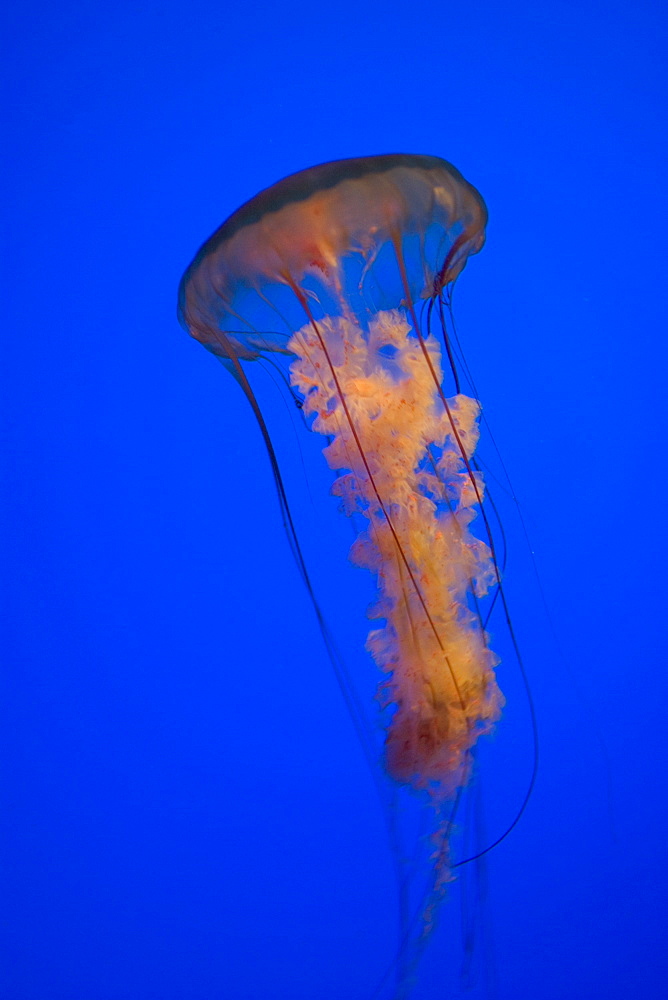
(343, 273)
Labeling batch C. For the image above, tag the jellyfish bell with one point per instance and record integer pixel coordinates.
(319, 230)
(343, 271)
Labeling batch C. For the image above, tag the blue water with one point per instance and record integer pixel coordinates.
(187, 812)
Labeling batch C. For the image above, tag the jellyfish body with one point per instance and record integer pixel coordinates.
(343, 270)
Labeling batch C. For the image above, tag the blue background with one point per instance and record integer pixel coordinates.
(187, 814)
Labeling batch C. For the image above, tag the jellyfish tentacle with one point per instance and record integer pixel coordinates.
(379, 498)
